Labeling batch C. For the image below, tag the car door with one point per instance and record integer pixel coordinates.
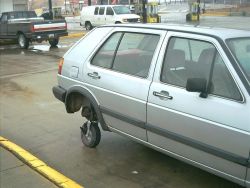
(4, 25)
(109, 16)
(119, 74)
(205, 129)
(101, 16)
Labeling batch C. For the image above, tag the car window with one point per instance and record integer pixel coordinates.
(132, 59)
(101, 11)
(188, 58)
(109, 11)
(240, 48)
(128, 54)
(4, 18)
(96, 10)
(105, 55)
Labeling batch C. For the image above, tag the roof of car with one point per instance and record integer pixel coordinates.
(223, 33)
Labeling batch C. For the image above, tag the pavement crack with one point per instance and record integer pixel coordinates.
(18, 166)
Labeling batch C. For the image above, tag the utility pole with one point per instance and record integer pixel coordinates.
(144, 11)
(50, 10)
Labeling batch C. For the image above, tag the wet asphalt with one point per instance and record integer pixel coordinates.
(31, 117)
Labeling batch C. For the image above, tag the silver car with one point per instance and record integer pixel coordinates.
(181, 90)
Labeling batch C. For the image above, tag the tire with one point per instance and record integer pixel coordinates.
(88, 26)
(23, 41)
(117, 22)
(53, 42)
(90, 134)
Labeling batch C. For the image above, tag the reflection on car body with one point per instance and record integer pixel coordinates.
(181, 90)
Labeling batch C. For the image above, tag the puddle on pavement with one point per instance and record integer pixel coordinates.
(12, 88)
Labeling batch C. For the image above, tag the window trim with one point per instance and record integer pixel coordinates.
(118, 44)
(174, 35)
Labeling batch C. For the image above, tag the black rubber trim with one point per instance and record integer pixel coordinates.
(89, 96)
(124, 118)
(179, 138)
(59, 93)
(200, 146)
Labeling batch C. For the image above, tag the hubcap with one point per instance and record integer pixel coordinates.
(21, 40)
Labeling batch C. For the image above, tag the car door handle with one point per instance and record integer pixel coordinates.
(94, 75)
(162, 94)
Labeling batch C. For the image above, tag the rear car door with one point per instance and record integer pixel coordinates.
(206, 130)
(119, 74)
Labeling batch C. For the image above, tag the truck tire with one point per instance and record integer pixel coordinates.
(88, 26)
(90, 134)
(23, 41)
(53, 42)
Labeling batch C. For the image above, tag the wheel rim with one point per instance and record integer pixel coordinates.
(86, 132)
(88, 26)
(21, 40)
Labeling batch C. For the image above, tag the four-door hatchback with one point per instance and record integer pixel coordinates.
(182, 90)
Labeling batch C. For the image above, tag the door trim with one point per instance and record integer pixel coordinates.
(180, 138)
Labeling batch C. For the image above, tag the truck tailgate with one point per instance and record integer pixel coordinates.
(49, 26)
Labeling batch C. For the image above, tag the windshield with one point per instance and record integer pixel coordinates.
(240, 47)
(121, 10)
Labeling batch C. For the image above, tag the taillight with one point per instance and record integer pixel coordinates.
(60, 65)
(32, 28)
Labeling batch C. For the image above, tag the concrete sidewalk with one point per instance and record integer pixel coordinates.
(23, 173)
(14, 173)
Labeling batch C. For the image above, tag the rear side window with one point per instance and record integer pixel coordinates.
(127, 53)
(96, 10)
(101, 11)
(109, 11)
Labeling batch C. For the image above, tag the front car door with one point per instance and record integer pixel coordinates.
(119, 74)
(198, 128)
(4, 25)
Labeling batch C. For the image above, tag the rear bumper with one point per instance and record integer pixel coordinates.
(46, 35)
(59, 93)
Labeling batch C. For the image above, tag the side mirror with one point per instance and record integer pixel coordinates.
(197, 85)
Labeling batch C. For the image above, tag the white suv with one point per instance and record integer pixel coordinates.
(182, 90)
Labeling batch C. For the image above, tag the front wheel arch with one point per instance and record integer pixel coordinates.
(77, 96)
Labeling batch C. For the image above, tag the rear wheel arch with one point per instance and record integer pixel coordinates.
(78, 97)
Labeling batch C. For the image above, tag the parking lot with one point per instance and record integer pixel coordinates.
(31, 117)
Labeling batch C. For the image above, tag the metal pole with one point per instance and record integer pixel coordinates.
(50, 10)
(144, 11)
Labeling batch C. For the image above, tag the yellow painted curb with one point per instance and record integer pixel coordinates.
(57, 178)
(215, 14)
(73, 35)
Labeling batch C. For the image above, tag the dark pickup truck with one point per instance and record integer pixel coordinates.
(26, 27)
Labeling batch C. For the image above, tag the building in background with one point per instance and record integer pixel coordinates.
(13, 5)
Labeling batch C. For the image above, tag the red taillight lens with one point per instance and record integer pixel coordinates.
(60, 65)
(32, 28)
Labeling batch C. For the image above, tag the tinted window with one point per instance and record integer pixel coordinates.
(96, 10)
(132, 56)
(187, 58)
(105, 55)
(4, 18)
(109, 11)
(101, 11)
